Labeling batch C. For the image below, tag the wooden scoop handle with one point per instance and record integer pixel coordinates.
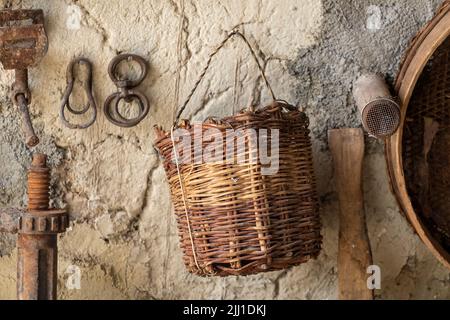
(354, 257)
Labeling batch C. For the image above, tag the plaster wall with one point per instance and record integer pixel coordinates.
(123, 236)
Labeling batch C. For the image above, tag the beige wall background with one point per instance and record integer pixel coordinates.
(123, 235)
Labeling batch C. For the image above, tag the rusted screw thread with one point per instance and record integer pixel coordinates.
(38, 183)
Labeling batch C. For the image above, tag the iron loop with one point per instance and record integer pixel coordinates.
(88, 88)
(127, 83)
(113, 114)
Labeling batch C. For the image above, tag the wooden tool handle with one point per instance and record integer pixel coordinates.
(354, 257)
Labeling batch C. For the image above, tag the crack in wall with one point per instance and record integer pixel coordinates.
(94, 23)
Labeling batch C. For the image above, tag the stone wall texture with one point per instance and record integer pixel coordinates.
(123, 235)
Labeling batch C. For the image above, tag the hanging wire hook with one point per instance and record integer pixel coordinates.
(233, 33)
(88, 87)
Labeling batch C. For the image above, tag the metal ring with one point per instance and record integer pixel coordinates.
(78, 126)
(128, 83)
(71, 82)
(130, 97)
(112, 113)
(89, 92)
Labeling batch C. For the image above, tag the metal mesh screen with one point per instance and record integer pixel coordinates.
(381, 118)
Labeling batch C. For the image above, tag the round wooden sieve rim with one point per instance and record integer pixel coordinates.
(420, 51)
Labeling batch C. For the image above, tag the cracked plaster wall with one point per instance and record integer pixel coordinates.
(123, 234)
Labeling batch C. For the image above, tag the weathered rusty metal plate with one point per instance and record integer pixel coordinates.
(43, 222)
(23, 40)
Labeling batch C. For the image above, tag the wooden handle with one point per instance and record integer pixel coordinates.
(354, 257)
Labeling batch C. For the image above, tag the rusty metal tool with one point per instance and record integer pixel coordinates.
(355, 255)
(88, 88)
(23, 43)
(126, 91)
(37, 228)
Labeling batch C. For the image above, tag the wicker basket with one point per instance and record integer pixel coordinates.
(232, 219)
(418, 155)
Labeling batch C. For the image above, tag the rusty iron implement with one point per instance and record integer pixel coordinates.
(126, 91)
(88, 88)
(37, 228)
(23, 43)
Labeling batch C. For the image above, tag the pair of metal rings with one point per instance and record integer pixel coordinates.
(126, 92)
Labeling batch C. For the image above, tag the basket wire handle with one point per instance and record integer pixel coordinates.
(191, 238)
(188, 99)
(211, 56)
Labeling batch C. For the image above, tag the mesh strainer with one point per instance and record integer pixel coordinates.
(381, 117)
(380, 113)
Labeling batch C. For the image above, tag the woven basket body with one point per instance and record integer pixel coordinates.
(234, 220)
